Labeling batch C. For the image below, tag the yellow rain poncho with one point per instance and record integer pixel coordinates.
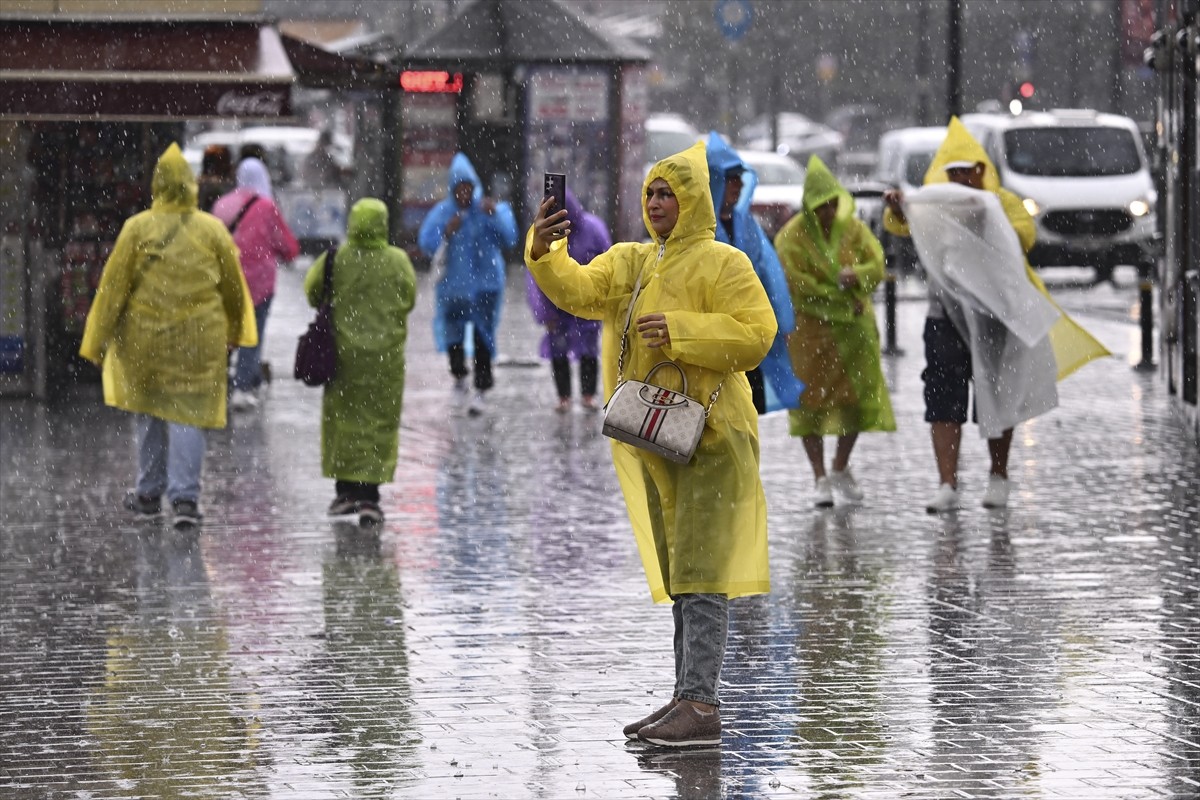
(171, 299)
(835, 347)
(700, 527)
(1072, 345)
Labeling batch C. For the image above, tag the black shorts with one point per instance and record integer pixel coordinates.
(947, 373)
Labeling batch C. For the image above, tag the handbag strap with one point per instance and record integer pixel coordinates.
(637, 288)
(237, 220)
(327, 278)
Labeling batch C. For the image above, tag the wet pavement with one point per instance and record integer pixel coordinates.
(491, 640)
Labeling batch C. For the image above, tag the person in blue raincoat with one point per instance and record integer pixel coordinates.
(475, 231)
(732, 182)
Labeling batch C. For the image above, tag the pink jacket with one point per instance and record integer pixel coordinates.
(263, 238)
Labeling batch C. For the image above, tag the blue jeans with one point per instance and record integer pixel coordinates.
(169, 459)
(701, 630)
(248, 374)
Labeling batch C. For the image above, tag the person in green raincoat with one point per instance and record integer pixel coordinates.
(701, 527)
(374, 289)
(833, 263)
(171, 303)
(950, 365)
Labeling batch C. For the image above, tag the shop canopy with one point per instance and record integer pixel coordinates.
(63, 68)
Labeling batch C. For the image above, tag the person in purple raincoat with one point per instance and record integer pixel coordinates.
(566, 334)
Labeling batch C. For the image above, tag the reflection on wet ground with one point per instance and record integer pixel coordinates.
(492, 637)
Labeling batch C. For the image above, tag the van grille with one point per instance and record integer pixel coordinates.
(1088, 222)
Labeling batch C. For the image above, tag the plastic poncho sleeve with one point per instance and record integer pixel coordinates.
(116, 284)
(575, 288)
(770, 272)
(503, 224)
(728, 341)
(433, 227)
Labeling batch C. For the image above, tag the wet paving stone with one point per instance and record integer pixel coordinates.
(490, 640)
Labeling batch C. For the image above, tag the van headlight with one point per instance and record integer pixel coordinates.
(1031, 206)
(1139, 208)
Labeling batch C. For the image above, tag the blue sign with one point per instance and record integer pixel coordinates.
(734, 18)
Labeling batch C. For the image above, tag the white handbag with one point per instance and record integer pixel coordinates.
(659, 420)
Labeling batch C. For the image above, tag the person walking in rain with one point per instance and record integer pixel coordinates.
(991, 321)
(701, 527)
(374, 289)
(171, 301)
(566, 334)
(833, 263)
(475, 230)
(263, 239)
(773, 384)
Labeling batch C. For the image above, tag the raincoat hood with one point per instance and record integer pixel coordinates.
(368, 224)
(461, 170)
(173, 186)
(687, 175)
(252, 174)
(820, 187)
(960, 145)
(722, 158)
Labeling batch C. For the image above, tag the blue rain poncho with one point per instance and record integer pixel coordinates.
(783, 388)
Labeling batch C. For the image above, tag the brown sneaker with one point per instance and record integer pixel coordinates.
(631, 730)
(684, 726)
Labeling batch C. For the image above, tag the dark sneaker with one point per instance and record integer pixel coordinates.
(186, 514)
(631, 730)
(684, 726)
(141, 504)
(369, 513)
(343, 506)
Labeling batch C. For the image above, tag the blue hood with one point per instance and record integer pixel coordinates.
(462, 170)
(722, 157)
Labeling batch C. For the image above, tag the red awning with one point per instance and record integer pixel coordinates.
(54, 68)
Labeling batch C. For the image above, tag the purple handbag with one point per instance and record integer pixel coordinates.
(316, 353)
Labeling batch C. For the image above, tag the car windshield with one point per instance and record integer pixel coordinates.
(915, 166)
(779, 172)
(1075, 152)
(660, 144)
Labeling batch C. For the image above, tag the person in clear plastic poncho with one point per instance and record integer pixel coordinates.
(991, 321)
(833, 263)
(172, 300)
(701, 527)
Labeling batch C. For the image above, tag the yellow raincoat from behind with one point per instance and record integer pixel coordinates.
(171, 298)
(1072, 345)
(700, 527)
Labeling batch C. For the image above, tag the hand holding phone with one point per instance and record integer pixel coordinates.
(555, 186)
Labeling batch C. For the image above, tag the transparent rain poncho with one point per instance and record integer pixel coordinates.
(702, 526)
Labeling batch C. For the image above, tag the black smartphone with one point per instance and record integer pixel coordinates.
(556, 187)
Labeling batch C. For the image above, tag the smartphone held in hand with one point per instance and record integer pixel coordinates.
(556, 186)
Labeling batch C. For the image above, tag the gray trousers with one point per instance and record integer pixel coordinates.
(701, 630)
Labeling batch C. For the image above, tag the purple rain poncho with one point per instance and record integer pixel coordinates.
(572, 336)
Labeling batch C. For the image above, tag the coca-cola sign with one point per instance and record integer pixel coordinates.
(258, 104)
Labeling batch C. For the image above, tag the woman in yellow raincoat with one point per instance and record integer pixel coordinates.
(701, 527)
(833, 263)
(950, 365)
(171, 302)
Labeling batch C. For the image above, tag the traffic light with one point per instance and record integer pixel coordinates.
(1025, 90)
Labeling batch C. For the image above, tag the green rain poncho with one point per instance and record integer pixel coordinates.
(171, 299)
(374, 289)
(700, 527)
(835, 347)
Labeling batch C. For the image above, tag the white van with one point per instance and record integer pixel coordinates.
(1084, 177)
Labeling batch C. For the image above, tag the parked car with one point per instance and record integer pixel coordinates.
(1085, 179)
(904, 156)
(799, 137)
(780, 191)
(667, 134)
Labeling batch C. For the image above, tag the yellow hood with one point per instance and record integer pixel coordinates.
(173, 186)
(687, 175)
(960, 145)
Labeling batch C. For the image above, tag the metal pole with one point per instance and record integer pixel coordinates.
(1146, 316)
(922, 65)
(954, 60)
(889, 315)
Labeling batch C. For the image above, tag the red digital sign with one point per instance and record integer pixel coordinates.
(431, 81)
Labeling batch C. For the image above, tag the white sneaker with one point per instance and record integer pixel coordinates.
(478, 404)
(946, 499)
(823, 494)
(242, 400)
(996, 495)
(845, 484)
